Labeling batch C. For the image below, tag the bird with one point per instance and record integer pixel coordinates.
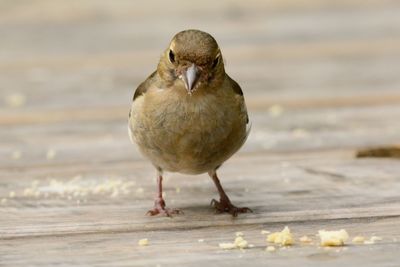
(189, 116)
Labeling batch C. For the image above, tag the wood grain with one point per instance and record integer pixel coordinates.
(321, 82)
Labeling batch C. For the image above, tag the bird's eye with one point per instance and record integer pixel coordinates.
(215, 62)
(171, 56)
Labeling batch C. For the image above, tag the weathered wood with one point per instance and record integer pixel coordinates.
(321, 81)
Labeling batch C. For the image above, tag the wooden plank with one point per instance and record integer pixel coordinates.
(320, 79)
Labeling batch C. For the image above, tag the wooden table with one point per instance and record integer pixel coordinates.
(321, 80)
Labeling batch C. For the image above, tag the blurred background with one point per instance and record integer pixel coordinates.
(315, 74)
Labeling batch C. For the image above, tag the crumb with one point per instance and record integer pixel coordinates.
(239, 234)
(305, 239)
(4, 201)
(275, 110)
(11, 194)
(270, 248)
(373, 240)
(28, 192)
(178, 190)
(15, 100)
(284, 237)
(227, 245)
(200, 240)
(300, 133)
(16, 155)
(333, 238)
(265, 232)
(358, 240)
(240, 242)
(51, 153)
(140, 190)
(143, 242)
(115, 193)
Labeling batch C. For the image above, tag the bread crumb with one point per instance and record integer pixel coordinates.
(305, 239)
(140, 190)
(51, 153)
(275, 110)
(4, 201)
(239, 234)
(372, 240)
(143, 242)
(283, 238)
(11, 194)
(15, 100)
(358, 239)
(178, 190)
(16, 155)
(333, 238)
(200, 240)
(265, 232)
(28, 192)
(240, 242)
(227, 245)
(270, 248)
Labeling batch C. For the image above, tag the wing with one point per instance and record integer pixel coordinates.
(236, 88)
(143, 87)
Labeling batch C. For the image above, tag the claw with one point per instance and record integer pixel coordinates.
(226, 206)
(159, 208)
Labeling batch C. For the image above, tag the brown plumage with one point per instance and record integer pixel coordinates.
(189, 116)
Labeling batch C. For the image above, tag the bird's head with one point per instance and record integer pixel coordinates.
(192, 59)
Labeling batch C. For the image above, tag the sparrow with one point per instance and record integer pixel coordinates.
(189, 116)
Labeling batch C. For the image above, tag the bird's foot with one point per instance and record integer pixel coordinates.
(225, 205)
(159, 208)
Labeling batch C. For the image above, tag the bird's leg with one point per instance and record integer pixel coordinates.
(159, 203)
(224, 204)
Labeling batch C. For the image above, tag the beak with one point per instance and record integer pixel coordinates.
(190, 77)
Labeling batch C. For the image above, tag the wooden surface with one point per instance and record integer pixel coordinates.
(321, 79)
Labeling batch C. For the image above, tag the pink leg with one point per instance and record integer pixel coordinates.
(159, 203)
(224, 204)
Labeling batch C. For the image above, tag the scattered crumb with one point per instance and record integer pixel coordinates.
(239, 234)
(240, 242)
(143, 242)
(227, 245)
(283, 238)
(140, 190)
(251, 245)
(265, 232)
(305, 239)
(373, 240)
(29, 192)
(275, 110)
(178, 190)
(51, 153)
(11, 194)
(300, 133)
(333, 238)
(4, 201)
(15, 155)
(77, 187)
(200, 240)
(270, 249)
(358, 239)
(15, 100)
